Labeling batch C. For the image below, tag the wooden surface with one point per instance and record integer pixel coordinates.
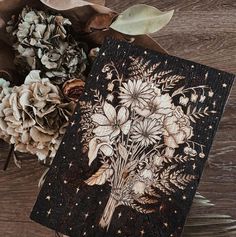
(201, 30)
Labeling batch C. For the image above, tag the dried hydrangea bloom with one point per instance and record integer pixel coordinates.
(5, 91)
(42, 42)
(5, 88)
(35, 116)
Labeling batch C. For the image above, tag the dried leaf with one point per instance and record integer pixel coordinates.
(62, 5)
(101, 176)
(99, 2)
(16, 161)
(146, 41)
(141, 19)
(65, 5)
(78, 12)
(99, 22)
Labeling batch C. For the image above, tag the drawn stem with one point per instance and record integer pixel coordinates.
(106, 218)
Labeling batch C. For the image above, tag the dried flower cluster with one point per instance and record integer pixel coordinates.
(5, 90)
(33, 116)
(42, 41)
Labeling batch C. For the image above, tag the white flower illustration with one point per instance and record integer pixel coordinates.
(147, 174)
(183, 100)
(158, 160)
(135, 93)
(190, 151)
(194, 97)
(110, 97)
(202, 155)
(158, 106)
(109, 76)
(169, 152)
(177, 128)
(147, 131)
(139, 187)
(202, 98)
(211, 93)
(110, 86)
(111, 123)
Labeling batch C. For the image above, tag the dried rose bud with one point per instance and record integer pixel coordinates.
(73, 89)
(93, 53)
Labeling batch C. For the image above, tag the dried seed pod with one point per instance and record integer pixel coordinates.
(73, 89)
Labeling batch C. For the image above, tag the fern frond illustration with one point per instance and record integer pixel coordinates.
(169, 82)
(139, 69)
(198, 113)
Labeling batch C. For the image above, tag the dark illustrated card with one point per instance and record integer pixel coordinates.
(132, 157)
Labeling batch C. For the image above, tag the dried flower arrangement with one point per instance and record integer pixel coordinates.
(52, 54)
(47, 49)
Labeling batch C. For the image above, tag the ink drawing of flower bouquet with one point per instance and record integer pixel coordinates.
(138, 140)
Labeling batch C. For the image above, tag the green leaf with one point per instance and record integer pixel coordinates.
(141, 19)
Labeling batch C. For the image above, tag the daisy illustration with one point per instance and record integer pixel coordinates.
(147, 131)
(135, 93)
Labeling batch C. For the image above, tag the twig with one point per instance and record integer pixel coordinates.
(8, 158)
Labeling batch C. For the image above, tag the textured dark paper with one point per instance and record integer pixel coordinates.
(132, 157)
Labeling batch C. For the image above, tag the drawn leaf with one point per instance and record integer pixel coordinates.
(123, 151)
(146, 200)
(139, 208)
(197, 114)
(97, 144)
(141, 19)
(188, 110)
(192, 119)
(176, 92)
(131, 165)
(101, 176)
(170, 82)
